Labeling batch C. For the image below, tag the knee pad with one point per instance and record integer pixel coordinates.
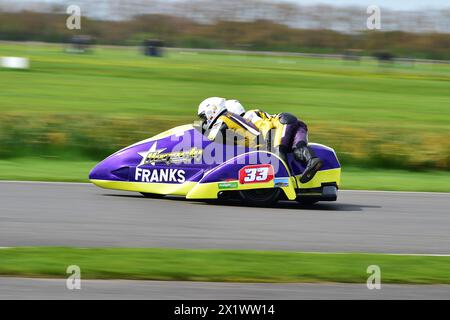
(287, 118)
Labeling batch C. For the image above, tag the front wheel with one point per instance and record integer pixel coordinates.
(260, 197)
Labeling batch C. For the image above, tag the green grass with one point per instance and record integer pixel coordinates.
(395, 180)
(221, 265)
(122, 81)
(36, 169)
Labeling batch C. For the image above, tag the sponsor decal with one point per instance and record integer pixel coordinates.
(153, 149)
(256, 174)
(281, 182)
(174, 157)
(160, 175)
(228, 185)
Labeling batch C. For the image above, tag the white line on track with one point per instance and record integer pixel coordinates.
(383, 253)
(318, 252)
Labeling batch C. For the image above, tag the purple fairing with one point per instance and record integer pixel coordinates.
(326, 154)
(219, 162)
(229, 170)
(130, 157)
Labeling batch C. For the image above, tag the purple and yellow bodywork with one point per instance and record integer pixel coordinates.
(175, 163)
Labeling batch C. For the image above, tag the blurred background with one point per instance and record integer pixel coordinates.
(68, 98)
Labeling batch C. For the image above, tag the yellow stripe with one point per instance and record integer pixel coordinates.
(290, 190)
(211, 190)
(192, 190)
(172, 131)
(279, 134)
(156, 188)
(324, 176)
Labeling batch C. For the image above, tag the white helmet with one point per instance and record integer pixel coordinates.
(234, 106)
(210, 108)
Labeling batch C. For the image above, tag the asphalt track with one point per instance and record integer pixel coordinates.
(82, 215)
(17, 288)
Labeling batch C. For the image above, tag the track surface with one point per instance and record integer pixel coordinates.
(17, 288)
(41, 214)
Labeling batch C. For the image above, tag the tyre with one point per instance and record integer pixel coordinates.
(260, 197)
(152, 195)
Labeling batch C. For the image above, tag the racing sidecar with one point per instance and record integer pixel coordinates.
(181, 161)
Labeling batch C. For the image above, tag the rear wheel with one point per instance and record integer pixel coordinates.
(152, 195)
(260, 197)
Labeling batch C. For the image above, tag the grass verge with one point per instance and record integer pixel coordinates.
(38, 169)
(395, 180)
(221, 265)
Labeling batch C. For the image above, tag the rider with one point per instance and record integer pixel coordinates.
(290, 134)
(217, 120)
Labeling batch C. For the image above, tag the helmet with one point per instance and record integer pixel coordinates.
(234, 106)
(210, 108)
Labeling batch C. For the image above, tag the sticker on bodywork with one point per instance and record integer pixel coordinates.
(174, 157)
(228, 185)
(159, 174)
(281, 182)
(256, 174)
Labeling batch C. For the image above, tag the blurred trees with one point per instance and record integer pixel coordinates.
(230, 31)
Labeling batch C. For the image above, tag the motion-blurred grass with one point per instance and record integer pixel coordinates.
(222, 265)
(86, 106)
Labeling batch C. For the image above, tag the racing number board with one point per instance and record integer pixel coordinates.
(256, 174)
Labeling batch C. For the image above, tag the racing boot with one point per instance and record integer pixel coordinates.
(306, 155)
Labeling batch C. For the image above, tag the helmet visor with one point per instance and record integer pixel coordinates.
(202, 116)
